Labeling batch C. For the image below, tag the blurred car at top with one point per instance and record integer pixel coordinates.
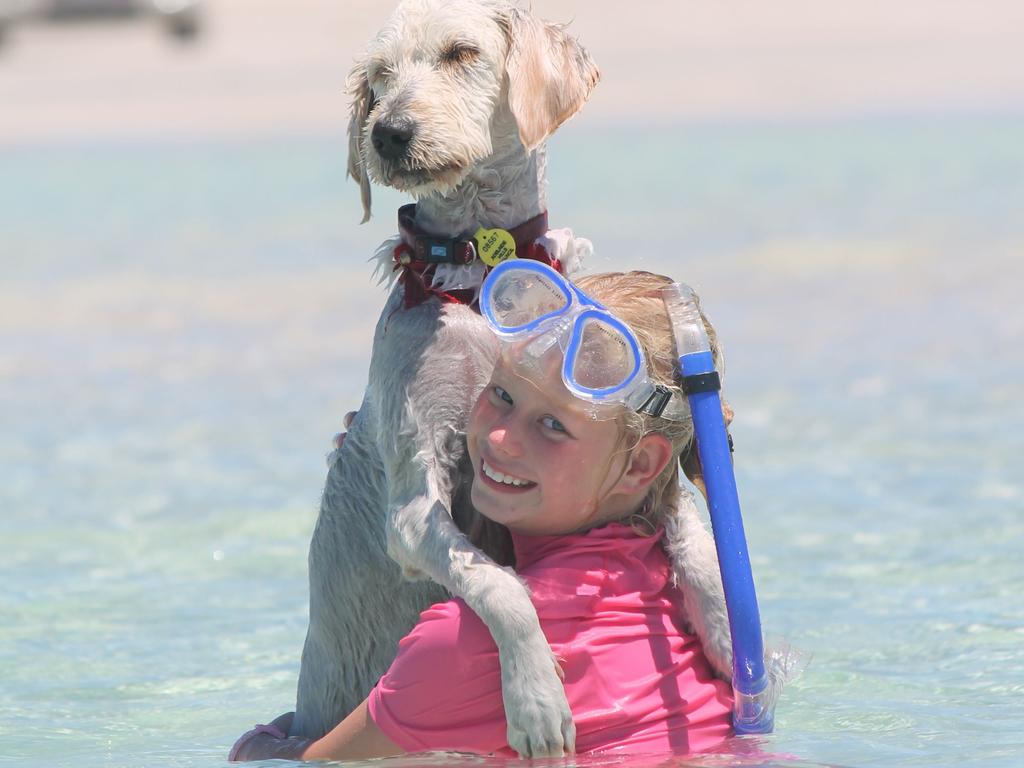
(182, 19)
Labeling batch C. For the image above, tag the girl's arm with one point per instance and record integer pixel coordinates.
(356, 737)
(442, 691)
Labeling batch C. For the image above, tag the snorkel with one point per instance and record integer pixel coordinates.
(754, 700)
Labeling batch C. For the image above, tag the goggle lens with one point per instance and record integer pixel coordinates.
(530, 302)
(519, 299)
(603, 360)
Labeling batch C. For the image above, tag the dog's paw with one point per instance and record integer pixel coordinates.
(539, 720)
(717, 644)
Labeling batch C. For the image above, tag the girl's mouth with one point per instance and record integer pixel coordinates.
(502, 482)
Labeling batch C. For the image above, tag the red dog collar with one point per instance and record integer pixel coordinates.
(420, 252)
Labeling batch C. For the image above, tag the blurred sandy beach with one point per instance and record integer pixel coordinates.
(269, 67)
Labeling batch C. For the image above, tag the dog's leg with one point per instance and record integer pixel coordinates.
(422, 533)
(422, 536)
(360, 606)
(691, 548)
(332, 676)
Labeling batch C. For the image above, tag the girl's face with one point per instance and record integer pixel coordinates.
(543, 465)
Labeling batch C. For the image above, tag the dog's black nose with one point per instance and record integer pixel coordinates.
(391, 140)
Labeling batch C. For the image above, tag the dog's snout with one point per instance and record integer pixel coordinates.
(391, 140)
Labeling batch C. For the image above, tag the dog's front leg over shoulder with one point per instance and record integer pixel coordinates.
(422, 535)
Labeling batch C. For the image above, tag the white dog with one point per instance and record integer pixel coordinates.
(451, 103)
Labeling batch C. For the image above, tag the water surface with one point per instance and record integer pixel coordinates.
(183, 325)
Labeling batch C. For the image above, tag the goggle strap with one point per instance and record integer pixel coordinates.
(661, 403)
(656, 402)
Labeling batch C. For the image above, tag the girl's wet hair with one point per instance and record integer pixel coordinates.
(636, 298)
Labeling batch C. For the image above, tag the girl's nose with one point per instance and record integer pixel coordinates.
(503, 440)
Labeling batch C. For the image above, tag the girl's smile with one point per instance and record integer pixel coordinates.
(502, 481)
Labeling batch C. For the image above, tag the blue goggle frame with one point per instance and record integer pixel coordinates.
(569, 322)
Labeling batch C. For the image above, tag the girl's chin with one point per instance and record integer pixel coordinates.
(493, 509)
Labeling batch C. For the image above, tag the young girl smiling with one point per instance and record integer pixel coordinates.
(578, 456)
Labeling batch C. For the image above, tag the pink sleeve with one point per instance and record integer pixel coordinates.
(443, 690)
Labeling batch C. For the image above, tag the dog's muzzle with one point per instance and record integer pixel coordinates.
(391, 140)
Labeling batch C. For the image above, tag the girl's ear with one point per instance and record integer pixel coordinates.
(646, 461)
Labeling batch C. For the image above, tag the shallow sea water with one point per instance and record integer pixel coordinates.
(183, 325)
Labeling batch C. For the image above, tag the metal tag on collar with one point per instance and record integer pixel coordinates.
(658, 401)
(444, 250)
(495, 245)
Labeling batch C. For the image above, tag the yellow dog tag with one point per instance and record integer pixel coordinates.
(494, 246)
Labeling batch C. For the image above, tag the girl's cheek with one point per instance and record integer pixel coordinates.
(478, 416)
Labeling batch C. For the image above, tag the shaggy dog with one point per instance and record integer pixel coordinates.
(451, 103)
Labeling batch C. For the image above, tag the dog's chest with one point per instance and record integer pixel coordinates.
(433, 351)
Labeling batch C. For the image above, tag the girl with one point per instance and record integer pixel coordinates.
(580, 463)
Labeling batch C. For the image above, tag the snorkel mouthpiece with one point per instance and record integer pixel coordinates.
(754, 699)
(687, 325)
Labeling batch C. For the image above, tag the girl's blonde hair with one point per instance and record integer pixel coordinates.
(636, 298)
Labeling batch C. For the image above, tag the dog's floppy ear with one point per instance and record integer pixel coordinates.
(358, 88)
(550, 76)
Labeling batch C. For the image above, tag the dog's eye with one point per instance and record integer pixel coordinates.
(378, 73)
(460, 54)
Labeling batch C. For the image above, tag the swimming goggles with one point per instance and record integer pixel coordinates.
(530, 303)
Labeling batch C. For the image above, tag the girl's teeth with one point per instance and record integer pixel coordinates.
(500, 477)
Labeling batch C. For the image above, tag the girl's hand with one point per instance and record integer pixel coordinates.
(269, 742)
(339, 439)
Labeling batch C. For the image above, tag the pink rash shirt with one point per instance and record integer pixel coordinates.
(634, 680)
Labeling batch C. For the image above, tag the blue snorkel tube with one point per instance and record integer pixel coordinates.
(754, 701)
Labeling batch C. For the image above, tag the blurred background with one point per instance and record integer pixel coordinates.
(186, 309)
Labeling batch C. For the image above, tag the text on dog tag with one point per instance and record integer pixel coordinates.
(494, 246)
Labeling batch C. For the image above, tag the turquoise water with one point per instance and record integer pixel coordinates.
(183, 325)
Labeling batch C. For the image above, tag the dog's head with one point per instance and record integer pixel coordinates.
(447, 80)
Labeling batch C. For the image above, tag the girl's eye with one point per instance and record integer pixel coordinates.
(554, 424)
(502, 395)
